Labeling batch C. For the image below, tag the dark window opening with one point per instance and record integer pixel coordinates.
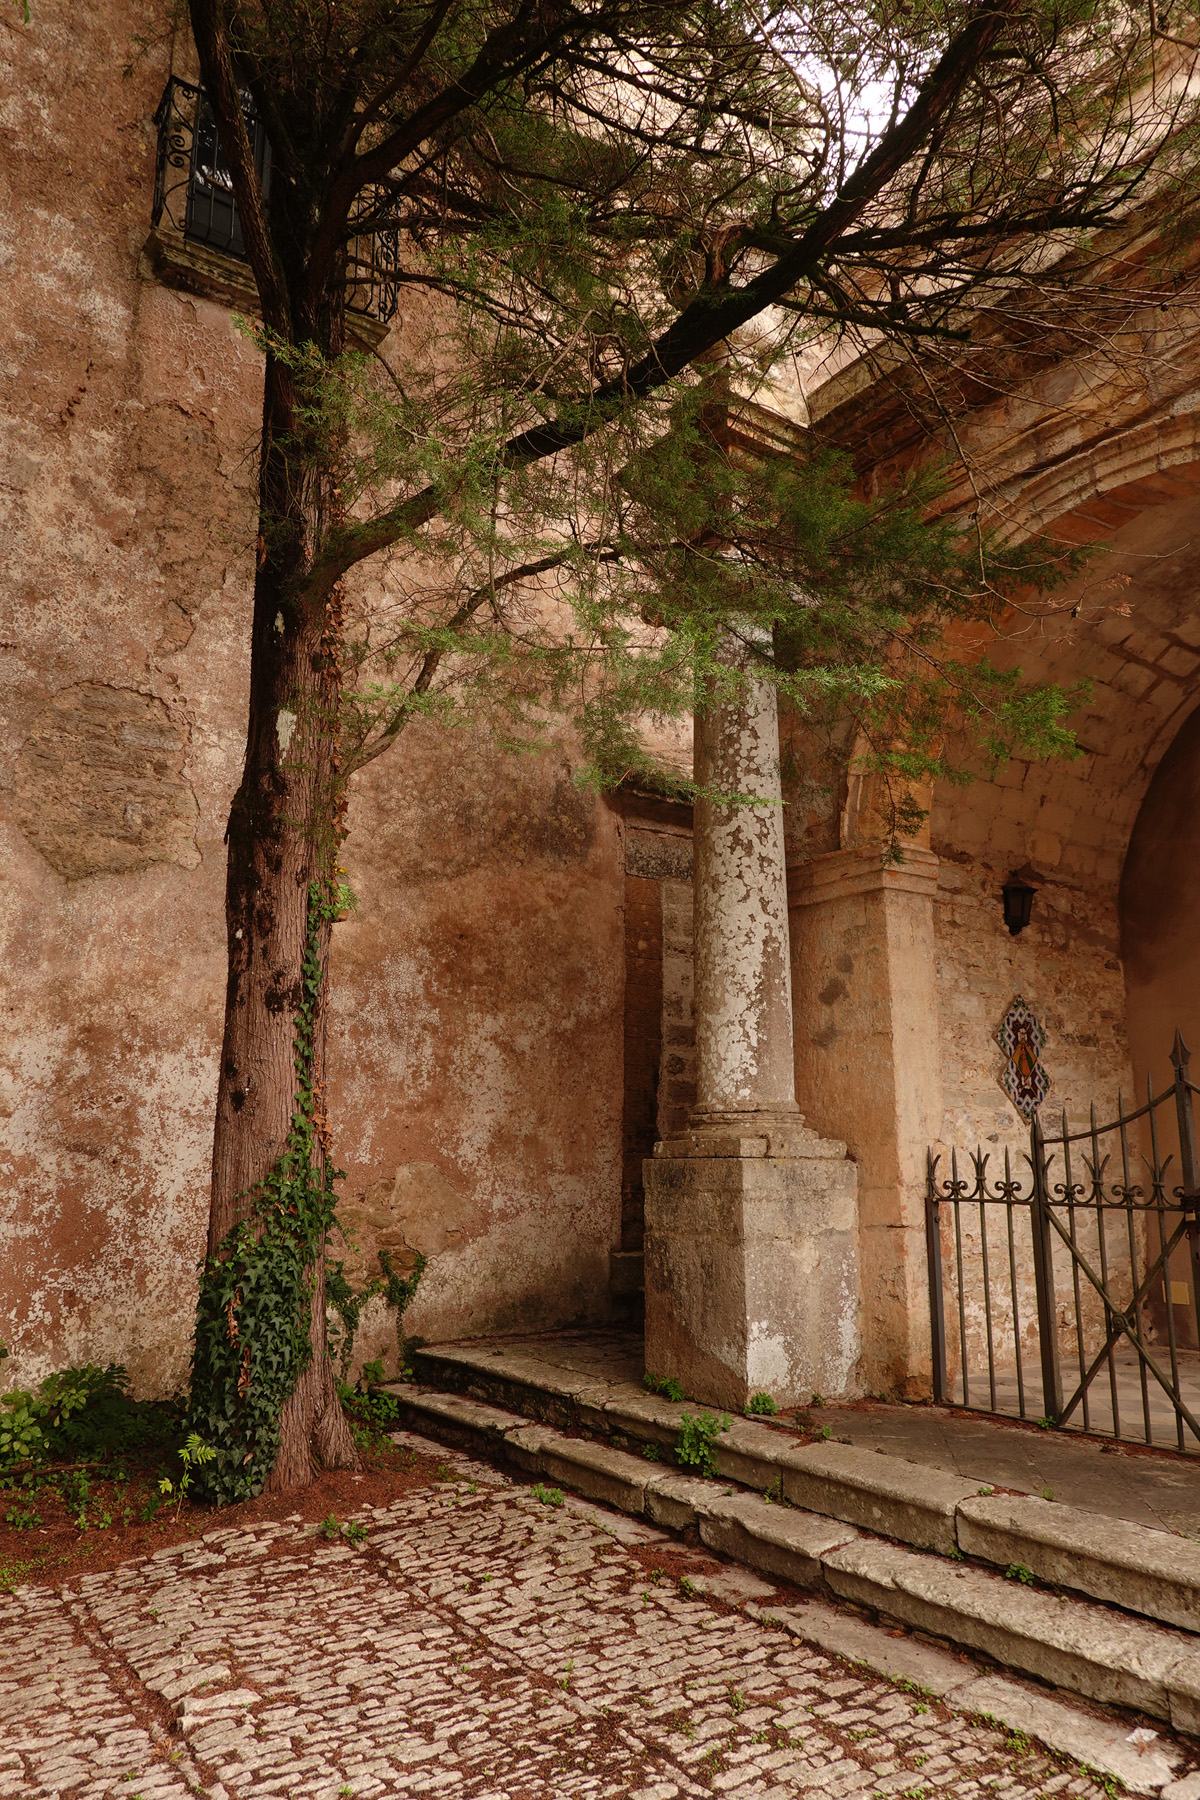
(193, 193)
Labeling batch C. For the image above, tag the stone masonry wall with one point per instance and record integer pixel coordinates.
(475, 1084)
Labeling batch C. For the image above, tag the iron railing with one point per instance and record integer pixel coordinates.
(193, 193)
(1068, 1265)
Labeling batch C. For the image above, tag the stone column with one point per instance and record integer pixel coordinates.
(745, 1061)
(750, 1250)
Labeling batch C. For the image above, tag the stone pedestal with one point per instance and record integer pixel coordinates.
(751, 1279)
(868, 1065)
(751, 1267)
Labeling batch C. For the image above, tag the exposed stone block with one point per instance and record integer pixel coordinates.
(912, 1502)
(645, 1416)
(455, 1418)
(678, 1501)
(1150, 1572)
(596, 1471)
(750, 1454)
(524, 1447)
(1076, 1645)
(751, 1273)
(99, 784)
(774, 1538)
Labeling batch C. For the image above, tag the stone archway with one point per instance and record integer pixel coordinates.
(907, 973)
(1160, 949)
(1160, 909)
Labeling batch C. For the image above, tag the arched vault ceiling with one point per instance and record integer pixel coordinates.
(1130, 628)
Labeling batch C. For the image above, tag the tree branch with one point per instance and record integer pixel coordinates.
(210, 30)
(713, 315)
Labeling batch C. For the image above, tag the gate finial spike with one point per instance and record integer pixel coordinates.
(1180, 1054)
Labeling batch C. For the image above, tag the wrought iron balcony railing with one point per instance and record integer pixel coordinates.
(193, 193)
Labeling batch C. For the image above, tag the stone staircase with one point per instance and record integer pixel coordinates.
(1100, 1607)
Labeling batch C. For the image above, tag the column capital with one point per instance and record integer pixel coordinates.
(863, 869)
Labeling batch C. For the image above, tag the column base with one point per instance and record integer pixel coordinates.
(751, 1263)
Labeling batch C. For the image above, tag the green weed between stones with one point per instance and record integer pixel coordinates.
(761, 1406)
(665, 1385)
(333, 1529)
(695, 1447)
(549, 1496)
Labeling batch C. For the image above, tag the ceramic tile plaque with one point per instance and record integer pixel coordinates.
(1022, 1039)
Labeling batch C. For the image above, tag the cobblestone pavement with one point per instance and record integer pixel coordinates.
(479, 1643)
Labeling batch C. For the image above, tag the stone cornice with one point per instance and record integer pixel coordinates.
(863, 869)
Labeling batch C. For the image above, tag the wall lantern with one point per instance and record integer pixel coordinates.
(1018, 904)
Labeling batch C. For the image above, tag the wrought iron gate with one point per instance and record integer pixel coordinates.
(1076, 1253)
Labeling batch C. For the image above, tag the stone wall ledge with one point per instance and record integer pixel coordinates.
(1152, 1574)
(1098, 1651)
(793, 1145)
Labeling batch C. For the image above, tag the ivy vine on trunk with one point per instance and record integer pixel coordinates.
(260, 1286)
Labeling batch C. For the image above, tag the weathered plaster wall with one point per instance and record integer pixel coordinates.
(475, 1054)
(476, 1046)
(127, 423)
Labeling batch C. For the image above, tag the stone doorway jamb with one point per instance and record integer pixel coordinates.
(868, 1059)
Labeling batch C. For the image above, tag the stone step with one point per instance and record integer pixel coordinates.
(1089, 1649)
(1153, 1573)
(1093, 1650)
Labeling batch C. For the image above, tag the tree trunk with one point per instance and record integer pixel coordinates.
(284, 833)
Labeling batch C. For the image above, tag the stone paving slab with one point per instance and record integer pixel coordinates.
(1140, 1758)
(479, 1643)
(1087, 1649)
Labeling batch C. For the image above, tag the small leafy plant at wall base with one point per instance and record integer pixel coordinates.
(79, 1412)
(695, 1447)
(370, 1412)
(193, 1455)
(549, 1496)
(761, 1406)
(666, 1385)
